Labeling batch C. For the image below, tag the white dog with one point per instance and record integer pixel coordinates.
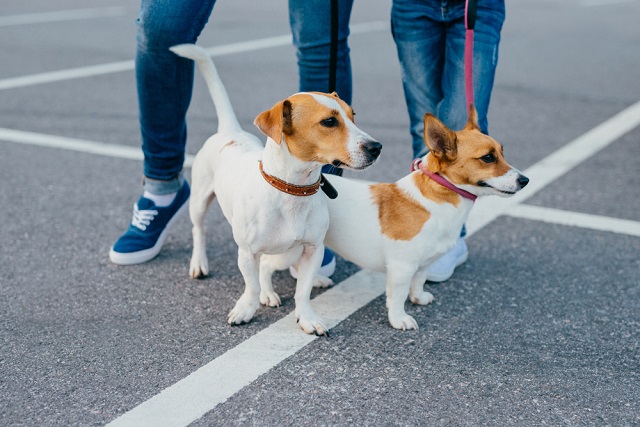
(269, 193)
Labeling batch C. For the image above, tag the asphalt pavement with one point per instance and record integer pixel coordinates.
(541, 326)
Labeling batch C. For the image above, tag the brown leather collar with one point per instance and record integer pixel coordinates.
(285, 187)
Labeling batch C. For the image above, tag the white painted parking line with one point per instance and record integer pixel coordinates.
(121, 66)
(200, 392)
(75, 144)
(575, 219)
(557, 164)
(58, 76)
(61, 15)
(591, 3)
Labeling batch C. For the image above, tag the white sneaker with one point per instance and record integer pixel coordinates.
(442, 269)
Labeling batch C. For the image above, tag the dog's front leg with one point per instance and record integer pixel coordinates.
(308, 268)
(398, 283)
(249, 302)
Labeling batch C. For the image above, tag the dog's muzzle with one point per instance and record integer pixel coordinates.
(372, 149)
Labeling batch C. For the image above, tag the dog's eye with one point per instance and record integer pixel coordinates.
(488, 158)
(330, 122)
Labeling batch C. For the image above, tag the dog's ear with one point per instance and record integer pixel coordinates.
(441, 140)
(472, 121)
(335, 94)
(276, 121)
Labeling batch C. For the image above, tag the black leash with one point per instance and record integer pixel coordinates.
(333, 71)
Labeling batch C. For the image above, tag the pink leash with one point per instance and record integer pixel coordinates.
(470, 11)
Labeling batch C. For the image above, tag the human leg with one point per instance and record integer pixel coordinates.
(453, 111)
(419, 37)
(310, 22)
(164, 84)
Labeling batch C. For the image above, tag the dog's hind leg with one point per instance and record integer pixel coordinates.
(417, 294)
(198, 205)
(269, 264)
(398, 284)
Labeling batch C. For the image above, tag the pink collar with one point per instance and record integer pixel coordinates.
(418, 165)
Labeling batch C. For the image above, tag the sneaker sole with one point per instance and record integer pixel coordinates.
(132, 258)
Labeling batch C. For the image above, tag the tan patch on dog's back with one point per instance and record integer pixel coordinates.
(400, 217)
(433, 191)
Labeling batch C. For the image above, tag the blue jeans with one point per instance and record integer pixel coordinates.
(430, 38)
(311, 28)
(310, 22)
(165, 83)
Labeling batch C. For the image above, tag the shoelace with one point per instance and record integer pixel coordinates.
(142, 218)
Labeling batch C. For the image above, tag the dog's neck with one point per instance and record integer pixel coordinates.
(279, 162)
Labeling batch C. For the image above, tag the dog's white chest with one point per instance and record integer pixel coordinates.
(278, 226)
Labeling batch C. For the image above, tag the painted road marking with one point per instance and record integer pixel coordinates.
(194, 396)
(121, 66)
(75, 144)
(591, 3)
(575, 219)
(191, 398)
(61, 15)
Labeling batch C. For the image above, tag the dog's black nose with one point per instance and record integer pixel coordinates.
(372, 148)
(523, 181)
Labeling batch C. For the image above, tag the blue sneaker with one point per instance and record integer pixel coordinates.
(327, 268)
(148, 229)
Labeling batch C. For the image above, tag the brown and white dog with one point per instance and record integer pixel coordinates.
(269, 193)
(401, 228)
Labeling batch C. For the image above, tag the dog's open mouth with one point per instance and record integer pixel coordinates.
(484, 184)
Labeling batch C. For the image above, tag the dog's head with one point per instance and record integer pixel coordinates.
(318, 127)
(470, 159)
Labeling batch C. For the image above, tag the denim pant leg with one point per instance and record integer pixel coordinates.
(164, 84)
(452, 110)
(310, 22)
(420, 41)
(311, 28)
(430, 37)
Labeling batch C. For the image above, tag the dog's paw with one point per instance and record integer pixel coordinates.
(199, 268)
(270, 299)
(423, 298)
(322, 282)
(312, 324)
(403, 322)
(242, 313)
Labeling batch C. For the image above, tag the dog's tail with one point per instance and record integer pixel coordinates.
(227, 120)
